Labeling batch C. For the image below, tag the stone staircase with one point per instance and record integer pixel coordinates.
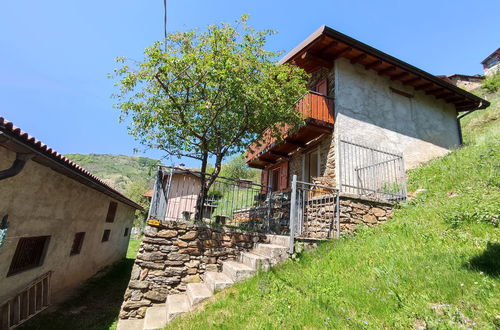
(262, 257)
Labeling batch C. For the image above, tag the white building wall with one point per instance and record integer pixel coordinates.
(366, 109)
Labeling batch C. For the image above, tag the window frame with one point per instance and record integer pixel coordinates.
(77, 245)
(112, 208)
(14, 268)
(127, 232)
(106, 234)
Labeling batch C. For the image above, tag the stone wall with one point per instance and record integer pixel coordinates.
(354, 211)
(175, 254)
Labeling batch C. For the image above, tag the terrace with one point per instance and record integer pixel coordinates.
(318, 112)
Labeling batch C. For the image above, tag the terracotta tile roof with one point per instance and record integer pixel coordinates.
(39, 147)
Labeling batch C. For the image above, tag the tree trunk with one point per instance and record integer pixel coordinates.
(203, 191)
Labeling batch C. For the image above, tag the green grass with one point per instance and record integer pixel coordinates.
(436, 263)
(96, 304)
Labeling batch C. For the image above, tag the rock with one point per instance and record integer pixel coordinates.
(211, 268)
(150, 256)
(181, 244)
(136, 271)
(192, 279)
(173, 271)
(169, 248)
(150, 231)
(136, 304)
(138, 285)
(189, 236)
(151, 265)
(192, 271)
(156, 296)
(174, 263)
(144, 273)
(136, 295)
(368, 218)
(378, 212)
(192, 263)
(167, 233)
(176, 256)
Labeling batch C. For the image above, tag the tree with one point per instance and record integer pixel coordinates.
(207, 94)
(236, 168)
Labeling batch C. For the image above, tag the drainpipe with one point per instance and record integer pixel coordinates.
(16, 166)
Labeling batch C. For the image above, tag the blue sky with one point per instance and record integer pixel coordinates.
(55, 55)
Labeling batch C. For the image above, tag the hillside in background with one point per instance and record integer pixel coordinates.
(118, 171)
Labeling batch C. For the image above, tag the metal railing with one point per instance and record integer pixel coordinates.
(177, 195)
(314, 213)
(31, 301)
(371, 171)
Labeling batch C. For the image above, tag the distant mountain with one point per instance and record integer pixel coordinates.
(120, 172)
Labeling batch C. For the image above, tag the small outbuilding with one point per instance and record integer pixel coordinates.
(59, 225)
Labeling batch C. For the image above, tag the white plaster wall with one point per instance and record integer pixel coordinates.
(367, 110)
(39, 202)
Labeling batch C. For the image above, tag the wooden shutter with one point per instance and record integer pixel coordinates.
(283, 182)
(322, 87)
(264, 175)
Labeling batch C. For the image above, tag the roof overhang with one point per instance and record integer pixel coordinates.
(325, 45)
(14, 139)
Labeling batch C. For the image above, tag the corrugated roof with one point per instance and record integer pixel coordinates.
(39, 147)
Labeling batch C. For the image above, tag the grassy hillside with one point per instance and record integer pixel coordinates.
(116, 170)
(434, 265)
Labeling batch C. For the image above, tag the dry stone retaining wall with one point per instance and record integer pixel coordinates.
(175, 254)
(354, 211)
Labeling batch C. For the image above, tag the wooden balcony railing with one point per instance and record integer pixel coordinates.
(313, 106)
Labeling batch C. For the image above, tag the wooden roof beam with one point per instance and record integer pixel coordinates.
(328, 47)
(443, 95)
(424, 86)
(399, 76)
(295, 143)
(411, 81)
(434, 91)
(454, 98)
(342, 52)
(315, 57)
(279, 154)
(387, 70)
(358, 58)
(373, 65)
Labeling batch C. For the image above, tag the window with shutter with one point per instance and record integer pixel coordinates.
(322, 87)
(264, 180)
(30, 253)
(283, 176)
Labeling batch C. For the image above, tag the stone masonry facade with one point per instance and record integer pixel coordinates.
(175, 254)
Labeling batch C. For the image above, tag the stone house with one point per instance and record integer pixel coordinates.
(62, 225)
(491, 64)
(464, 81)
(366, 95)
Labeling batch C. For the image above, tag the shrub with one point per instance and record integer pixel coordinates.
(492, 83)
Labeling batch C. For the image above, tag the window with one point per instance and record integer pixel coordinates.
(126, 232)
(77, 243)
(311, 167)
(105, 235)
(30, 253)
(110, 217)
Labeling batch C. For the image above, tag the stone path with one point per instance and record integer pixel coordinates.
(262, 257)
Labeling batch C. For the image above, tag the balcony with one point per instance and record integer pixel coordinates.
(318, 113)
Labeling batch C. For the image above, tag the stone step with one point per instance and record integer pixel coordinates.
(279, 240)
(197, 292)
(236, 270)
(255, 261)
(155, 318)
(130, 324)
(217, 281)
(177, 304)
(276, 253)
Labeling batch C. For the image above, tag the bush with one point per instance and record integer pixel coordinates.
(492, 83)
